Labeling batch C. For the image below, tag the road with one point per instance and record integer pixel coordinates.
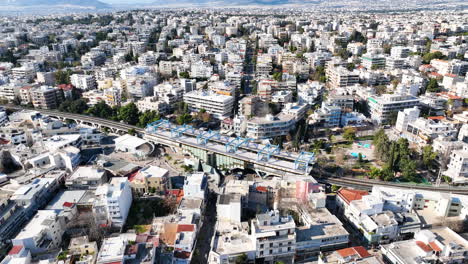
(203, 246)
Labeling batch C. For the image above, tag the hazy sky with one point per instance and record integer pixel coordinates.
(127, 1)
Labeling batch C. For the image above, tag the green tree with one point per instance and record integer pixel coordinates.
(408, 169)
(63, 77)
(335, 188)
(241, 259)
(184, 75)
(431, 56)
(131, 131)
(428, 156)
(101, 109)
(343, 53)
(147, 117)
(433, 86)
(129, 114)
(184, 119)
(350, 66)
(349, 133)
(277, 76)
(76, 106)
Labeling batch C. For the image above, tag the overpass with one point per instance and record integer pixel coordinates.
(226, 152)
(213, 148)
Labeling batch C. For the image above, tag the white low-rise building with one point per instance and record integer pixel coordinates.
(457, 169)
(43, 233)
(219, 105)
(439, 245)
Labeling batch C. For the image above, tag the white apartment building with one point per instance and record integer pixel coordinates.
(264, 65)
(457, 169)
(44, 232)
(275, 237)
(308, 93)
(228, 207)
(152, 104)
(195, 185)
(438, 245)
(230, 241)
(201, 69)
(112, 250)
(269, 126)
(381, 108)
(322, 231)
(84, 82)
(371, 61)
(406, 116)
(113, 200)
(341, 77)
(400, 52)
(220, 106)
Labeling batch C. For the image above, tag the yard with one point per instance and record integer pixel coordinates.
(143, 211)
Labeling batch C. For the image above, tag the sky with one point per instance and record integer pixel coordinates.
(127, 1)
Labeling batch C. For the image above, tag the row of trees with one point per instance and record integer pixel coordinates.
(128, 113)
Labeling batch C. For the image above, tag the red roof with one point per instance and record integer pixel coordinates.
(349, 195)
(423, 246)
(360, 252)
(178, 193)
(67, 204)
(185, 228)
(132, 176)
(15, 250)
(434, 246)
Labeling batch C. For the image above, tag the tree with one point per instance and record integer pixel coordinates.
(335, 188)
(357, 36)
(241, 259)
(380, 89)
(277, 76)
(76, 106)
(63, 77)
(428, 156)
(433, 86)
(343, 53)
(360, 159)
(184, 75)
(350, 66)
(103, 110)
(184, 119)
(349, 133)
(129, 114)
(129, 56)
(100, 36)
(431, 56)
(131, 131)
(408, 169)
(392, 118)
(148, 117)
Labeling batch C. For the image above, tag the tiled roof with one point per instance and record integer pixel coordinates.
(349, 195)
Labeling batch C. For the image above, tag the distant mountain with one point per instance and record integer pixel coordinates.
(94, 4)
(299, 3)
